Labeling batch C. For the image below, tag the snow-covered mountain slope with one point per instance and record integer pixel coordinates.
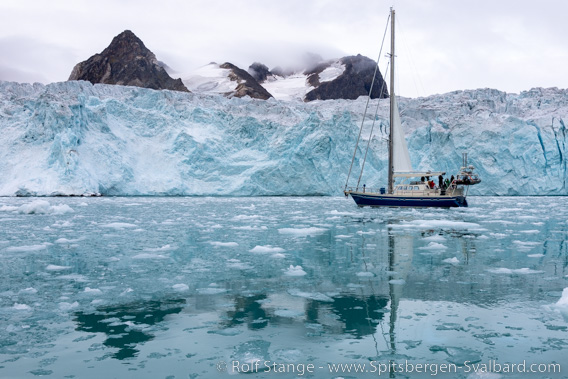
(78, 138)
(344, 78)
(295, 87)
(210, 79)
(289, 88)
(225, 79)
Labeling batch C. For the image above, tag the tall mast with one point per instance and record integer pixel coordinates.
(392, 106)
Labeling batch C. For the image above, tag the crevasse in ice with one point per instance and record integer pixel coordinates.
(78, 138)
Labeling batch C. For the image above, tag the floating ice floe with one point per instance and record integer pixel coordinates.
(437, 224)
(526, 243)
(39, 207)
(163, 248)
(435, 238)
(24, 249)
(21, 307)
(224, 244)
(69, 241)
(250, 354)
(237, 264)
(288, 313)
(294, 271)
(521, 271)
(266, 249)
(65, 306)
(397, 281)
(57, 268)
(562, 304)
(453, 260)
(149, 256)
(498, 235)
(211, 291)
(434, 246)
(119, 225)
(311, 295)
(302, 232)
(180, 287)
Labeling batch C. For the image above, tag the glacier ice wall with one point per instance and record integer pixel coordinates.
(76, 138)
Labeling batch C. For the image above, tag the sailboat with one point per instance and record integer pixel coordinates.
(416, 189)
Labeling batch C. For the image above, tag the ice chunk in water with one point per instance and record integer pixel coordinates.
(458, 355)
(57, 268)
(21, 307)
(224, 244)
(149, 256)
(295, 271)
(43, 207)
(434, 246)
(180, 287)
(522, 271)
(311, 295)
(24, 249)
(266, 249)
(249, 356)
(119, 225)
(302, 232)
(453, 260)
(562, 304)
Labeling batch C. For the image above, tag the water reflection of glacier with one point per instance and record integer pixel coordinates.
(172, 286)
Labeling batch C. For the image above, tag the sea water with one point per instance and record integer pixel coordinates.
(282, 287)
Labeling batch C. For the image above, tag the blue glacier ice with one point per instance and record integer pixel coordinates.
(76, 138)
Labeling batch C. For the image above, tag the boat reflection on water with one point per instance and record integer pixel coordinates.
(401, 251)
(126, 326)
(351, 313)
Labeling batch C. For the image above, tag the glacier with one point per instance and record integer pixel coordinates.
(75, 138)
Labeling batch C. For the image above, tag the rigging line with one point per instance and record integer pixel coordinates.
(371, 134)
(367, 105)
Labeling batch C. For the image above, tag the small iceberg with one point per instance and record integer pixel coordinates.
(295, 271)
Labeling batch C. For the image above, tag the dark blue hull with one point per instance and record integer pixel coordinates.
(375, 200)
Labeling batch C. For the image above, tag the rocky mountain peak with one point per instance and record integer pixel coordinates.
(247, 84)
(126, 61)
(355, 80)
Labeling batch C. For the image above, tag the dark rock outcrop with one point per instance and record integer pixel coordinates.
(355, 81)
(126, 61)
(247, 85)
(259, 71)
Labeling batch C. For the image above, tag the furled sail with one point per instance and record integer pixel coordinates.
(401, 158)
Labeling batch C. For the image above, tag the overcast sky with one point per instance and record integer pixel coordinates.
(442, 45)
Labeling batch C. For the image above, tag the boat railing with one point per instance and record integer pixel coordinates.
(453, 190)
(366, 190)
